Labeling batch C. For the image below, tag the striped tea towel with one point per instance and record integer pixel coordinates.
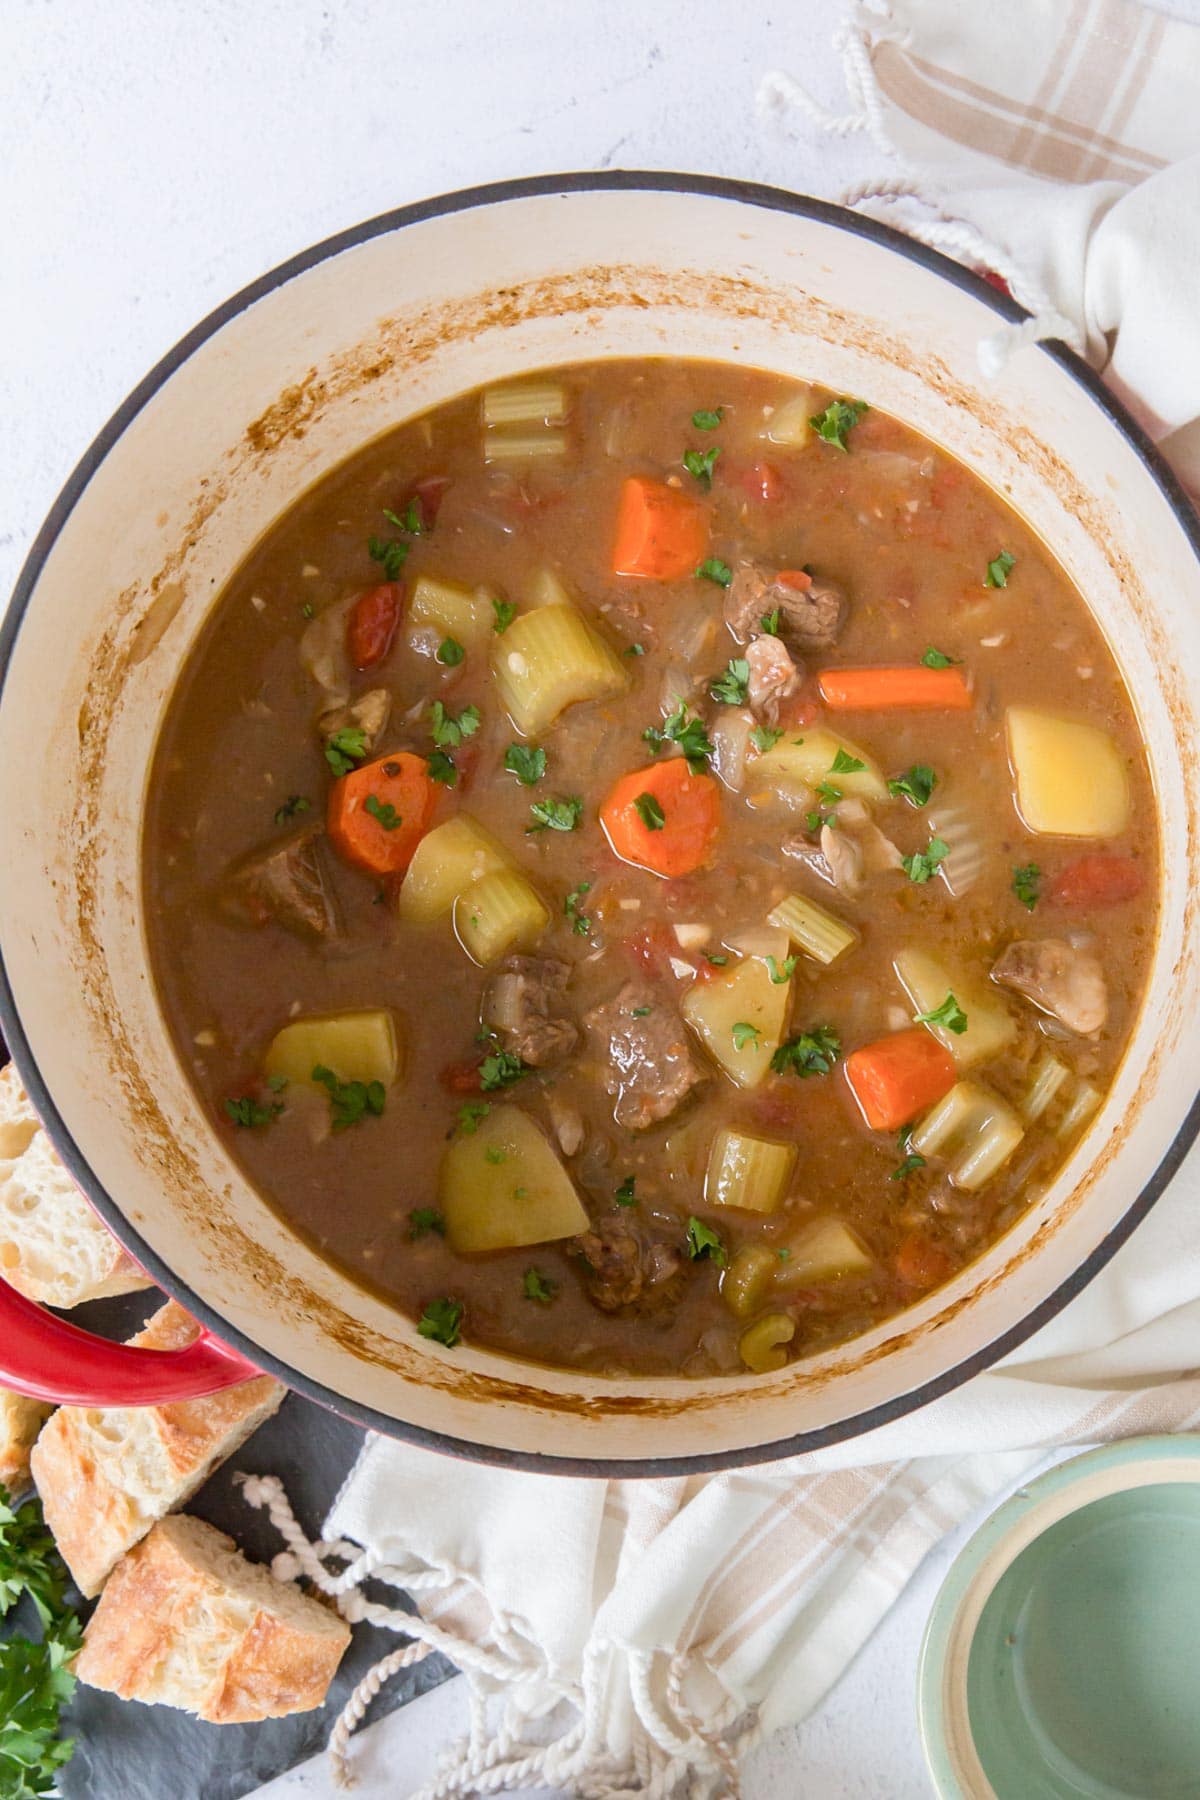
(630, 1639)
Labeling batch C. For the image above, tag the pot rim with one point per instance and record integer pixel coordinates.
(442, 205)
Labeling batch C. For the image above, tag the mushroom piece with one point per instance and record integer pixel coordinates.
(1057, 977)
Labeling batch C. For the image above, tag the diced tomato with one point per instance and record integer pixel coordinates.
(372, 624)
(798, 711)
(462, 1078)
(1097, 880)
(920, 1263)
(762, 481)
(652, 946)
(429, 493)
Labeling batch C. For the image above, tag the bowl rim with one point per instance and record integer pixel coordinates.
(439, 206)
(990, 1552)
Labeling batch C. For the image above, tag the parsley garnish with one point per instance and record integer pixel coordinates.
(689, 733)
(909, 1159)
(580, 922)
(810, 1053)
(703, 1241)
(713, 569)
(350, 1101)
(745, 1033)
(34, 1678)
(937, 659)
(707, 419)
(441, 768)
(526, 762)
(539, 1287)
(345, 749)
(701, 463)
(626, 1195)
(999, 570)
(949, 1014)
(634, 650)
(390, 553)
(470, 1114)
(448, 732)
(505, 612)
(770, 623)
(384, 811)
(1027, 885)
(499, 1069)
(494, 1154)
(650, 812)
(916, 785)
(765, 737)
(924, 863)
(247, 1112)
(556, 815)
(839, 417)
(277, 1083)
(306, 611)
(827, 793)
(412, 520)
(845, 764)
(641, 1012)
(716, 962)
(780, 977)
(442, 1321)
(424, 1219)
(450, 652)
(29, 1563)
(731, 686)
(293, 806)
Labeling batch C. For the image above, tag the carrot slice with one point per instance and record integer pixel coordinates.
(378, 814)
(897, 1077)
(662, 534)
(663, 818)
(870, 690)
(920, 1263)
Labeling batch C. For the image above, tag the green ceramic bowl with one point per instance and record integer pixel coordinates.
(1060, 1660)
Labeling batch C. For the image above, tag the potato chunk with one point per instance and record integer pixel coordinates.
(802, 760)
(822, 1251)
(1071, 779)
(357, 1046)
(448, 859)
(739, 1017)
(504, 1187)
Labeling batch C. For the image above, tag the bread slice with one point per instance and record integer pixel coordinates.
(186, 1621)
(106, 1474)
(20, 1422)
(53, 1248)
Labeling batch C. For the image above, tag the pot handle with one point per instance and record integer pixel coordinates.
(46, 1358)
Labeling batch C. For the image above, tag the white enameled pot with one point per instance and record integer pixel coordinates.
(262, 399)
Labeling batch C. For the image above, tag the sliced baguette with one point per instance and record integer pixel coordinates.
(106, 1474)
(53, 1248)
(20, 1422)
(186, 1621)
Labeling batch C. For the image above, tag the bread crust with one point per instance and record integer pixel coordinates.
(20, 1421)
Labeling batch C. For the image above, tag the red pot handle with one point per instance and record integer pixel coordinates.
(48, 1359)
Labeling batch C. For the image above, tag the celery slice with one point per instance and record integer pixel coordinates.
(762, 1346)
(748, 1172)
(820, 934)
(525, 403)
(549, 659)
(974, 1125)
(1048, 1077)
(498, 914)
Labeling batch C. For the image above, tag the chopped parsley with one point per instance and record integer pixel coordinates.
(539, 1287)
(650, 812)
(505, 612)
(499, 1069)
(909, 1159)
(708, 418)
(1027, 885)
(250, 1113)
(999, 570)
(745, 1033)
(923, 864)
(448, 732)
(689, 733)
(770, 623)
(390, 553)
(703, 1241)
(494, 1154)
(732, 684)
(916, 785)
(641, 1012)
(307, 610)
(949, 1015)
(765, 737)
(470, 1114)
(581, 924)
(411, 520)
(839, 417)
(713, 569)
(442, 1321)
(556, 815)
(780, 977)
(424, 1219)
(350, 1101)
(626, 1194)
(810, 1053)
(450, 652)
(345, 749)
(277, 1083)
(634, 650)
(384, 811)
(441, 768)
(701, 464)
(526, 762)
(293, 806)
(716, 962)
(845, 764)
(937, 659)
(828, 794)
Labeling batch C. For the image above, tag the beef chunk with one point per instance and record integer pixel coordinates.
(773, 675)
(811, 612)
(285, 882)
(523, 1001)
(625, 1266)
(649, 1064)
(1057, 977)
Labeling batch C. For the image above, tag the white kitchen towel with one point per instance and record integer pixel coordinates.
(632, 1637)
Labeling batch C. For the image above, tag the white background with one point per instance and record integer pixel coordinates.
(158, 155)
